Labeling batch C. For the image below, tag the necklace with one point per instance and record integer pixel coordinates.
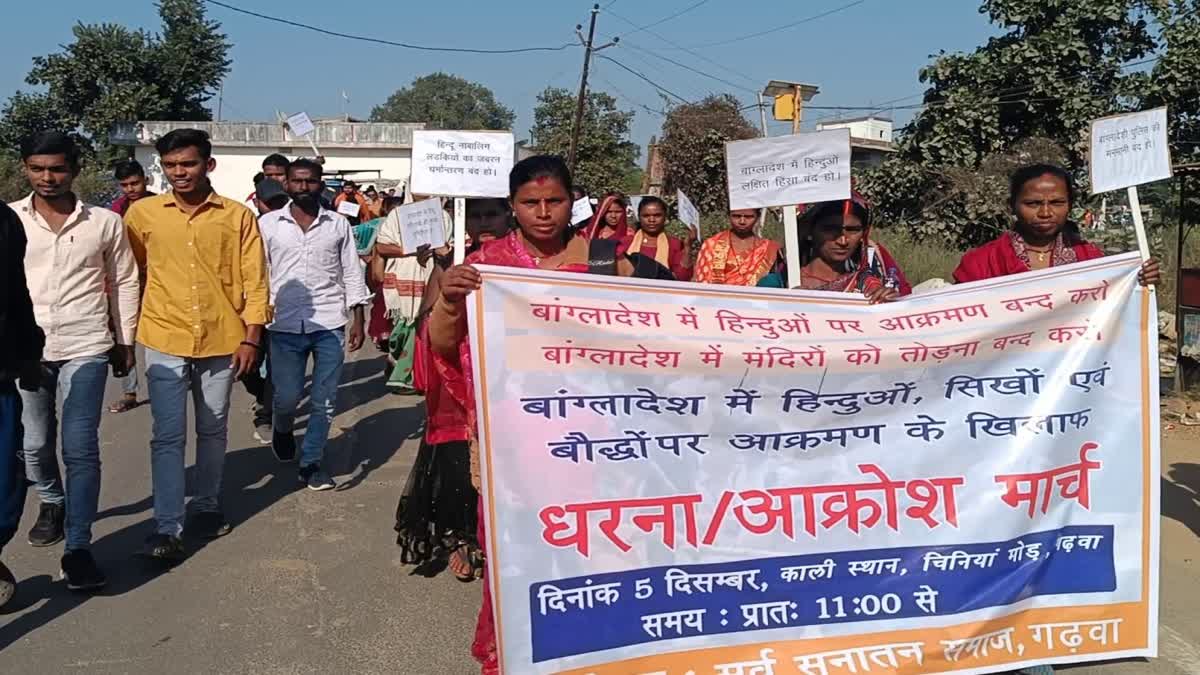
(1040, 253)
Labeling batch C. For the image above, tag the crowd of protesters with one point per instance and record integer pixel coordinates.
(217, 291)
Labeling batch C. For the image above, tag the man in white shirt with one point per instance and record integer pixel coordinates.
(83, 280)
(317, 288)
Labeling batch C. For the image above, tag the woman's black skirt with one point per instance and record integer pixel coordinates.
(437, 511)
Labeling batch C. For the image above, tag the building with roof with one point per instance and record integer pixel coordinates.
(370, 153)
(870, 138)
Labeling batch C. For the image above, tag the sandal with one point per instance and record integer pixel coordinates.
(466, 563)
(124, 404)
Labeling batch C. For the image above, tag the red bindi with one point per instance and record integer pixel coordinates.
(540, 180)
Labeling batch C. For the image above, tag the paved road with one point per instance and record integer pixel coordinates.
(306, 582)
(311, 582)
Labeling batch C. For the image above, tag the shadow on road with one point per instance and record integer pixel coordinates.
(253, 481)
(1181, 495)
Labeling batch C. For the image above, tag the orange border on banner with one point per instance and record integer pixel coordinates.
(1134, 615)
(1132, 631)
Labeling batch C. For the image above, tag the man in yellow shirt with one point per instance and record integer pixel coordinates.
(203, 313)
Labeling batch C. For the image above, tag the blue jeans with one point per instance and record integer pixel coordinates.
(76, 388)
(12, 463)
(170, 379)
(289, 361)
(129, 383)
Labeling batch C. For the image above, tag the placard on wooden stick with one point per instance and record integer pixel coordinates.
(789, 170)
(1127, 151)
(461, 163)
(300, 124)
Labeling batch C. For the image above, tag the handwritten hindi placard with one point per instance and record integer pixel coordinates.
(688, 213)
(349, 208)
(581, 210)
(422, 224)
(461, 163)
(788, 170)
(300, 124)
(756, 481)
(1128, 150)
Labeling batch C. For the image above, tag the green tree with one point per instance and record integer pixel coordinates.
(444, 101)
(111, 73)
(1058, 65)
(605, 157)
(693, 149)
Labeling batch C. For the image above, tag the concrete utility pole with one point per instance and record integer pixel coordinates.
(576, 126)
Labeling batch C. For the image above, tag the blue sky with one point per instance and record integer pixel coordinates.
(863, 55)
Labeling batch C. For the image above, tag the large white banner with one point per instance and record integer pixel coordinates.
(684, 479)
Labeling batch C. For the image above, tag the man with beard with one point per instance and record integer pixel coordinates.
(203, 314)
(318, 288)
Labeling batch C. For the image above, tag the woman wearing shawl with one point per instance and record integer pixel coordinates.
(652, 241)
(436, 519)
(404, 279)
(540, 195)
(837, 254)
(737, 256)
(610, 221)
(1041, 197)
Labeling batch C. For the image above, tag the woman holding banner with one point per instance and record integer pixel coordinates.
(540, 195)
(738, 256)
(1041, 197)
(436, 520)
(610, 221)
(651, 240)
(837, 254)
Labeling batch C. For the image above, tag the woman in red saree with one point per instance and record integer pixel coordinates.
(540, 194)
(1041, 197)
(652, 241)
(610, 221)
(837, 254)
(737, 256)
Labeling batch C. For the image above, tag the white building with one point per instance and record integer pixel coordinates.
(867, 128)
(870, 138)
(366, 152)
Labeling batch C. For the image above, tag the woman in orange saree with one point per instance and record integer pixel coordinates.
(738, 256)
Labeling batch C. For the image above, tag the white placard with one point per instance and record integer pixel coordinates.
(422, 224)
(635, 201)
(581, 210)
(300, 124)
(349, 208)
(688, 213)
(461, 163)
(786, 170)
(1128, 150)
